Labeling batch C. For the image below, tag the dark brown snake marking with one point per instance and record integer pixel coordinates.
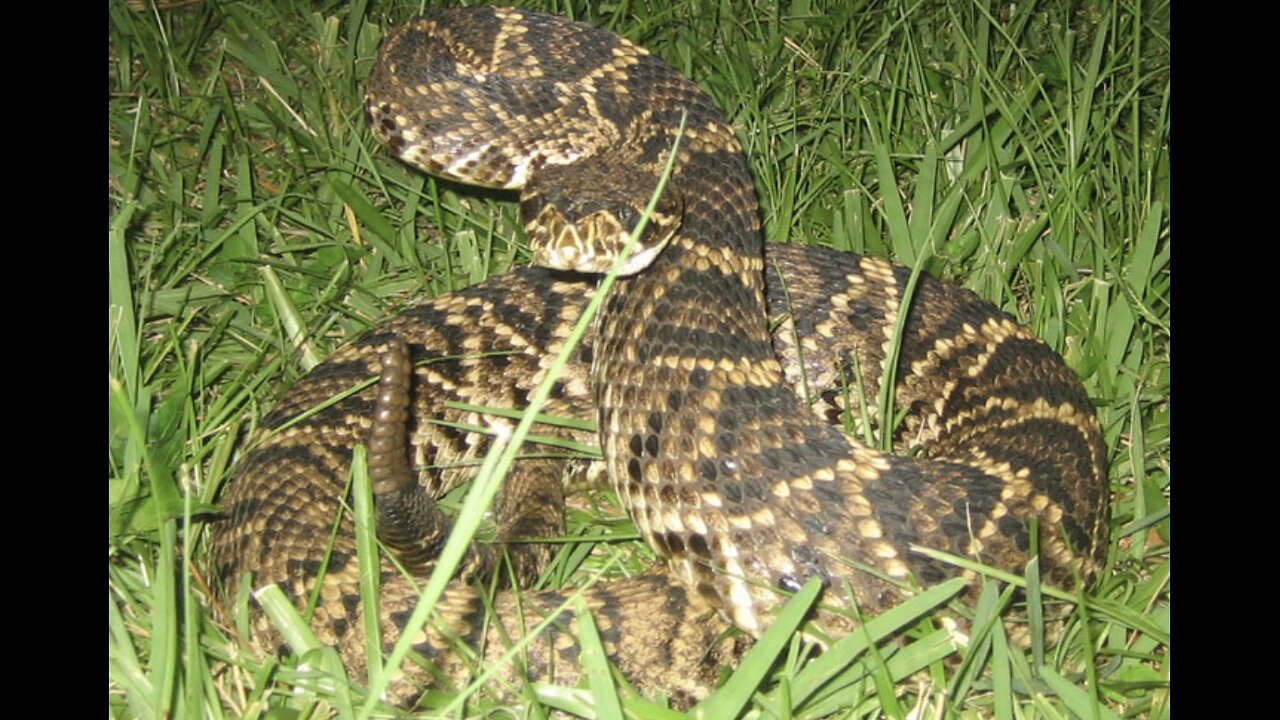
(728, 474)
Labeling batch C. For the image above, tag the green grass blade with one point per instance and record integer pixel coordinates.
(1076, 698)
(163, 664)
(730, 699)
(367, 558)
(831, 663)
(1001, 675)
(596, 665)
(894, 213)
(124, 666)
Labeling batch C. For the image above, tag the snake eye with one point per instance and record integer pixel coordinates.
(789, 583)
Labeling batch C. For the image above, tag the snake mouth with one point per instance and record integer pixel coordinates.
(585, 245)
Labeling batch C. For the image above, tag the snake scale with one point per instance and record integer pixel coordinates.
(720, 427)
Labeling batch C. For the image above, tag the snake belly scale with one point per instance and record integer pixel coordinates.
(743, 488)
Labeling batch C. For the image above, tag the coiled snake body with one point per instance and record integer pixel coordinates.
(739, 484)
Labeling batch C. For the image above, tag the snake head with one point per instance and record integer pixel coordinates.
(578, 221)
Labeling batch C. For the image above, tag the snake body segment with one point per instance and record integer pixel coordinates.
(745, 488)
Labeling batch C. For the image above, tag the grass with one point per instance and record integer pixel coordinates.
(1021, 151)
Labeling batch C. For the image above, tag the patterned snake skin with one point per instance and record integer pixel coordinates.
(719, 434)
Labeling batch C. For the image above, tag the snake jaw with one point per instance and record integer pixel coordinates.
(561, 244)
(585, 231)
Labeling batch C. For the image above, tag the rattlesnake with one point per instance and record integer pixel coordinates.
(728, 473)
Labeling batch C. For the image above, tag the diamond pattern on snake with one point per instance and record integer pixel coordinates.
(717, 373)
